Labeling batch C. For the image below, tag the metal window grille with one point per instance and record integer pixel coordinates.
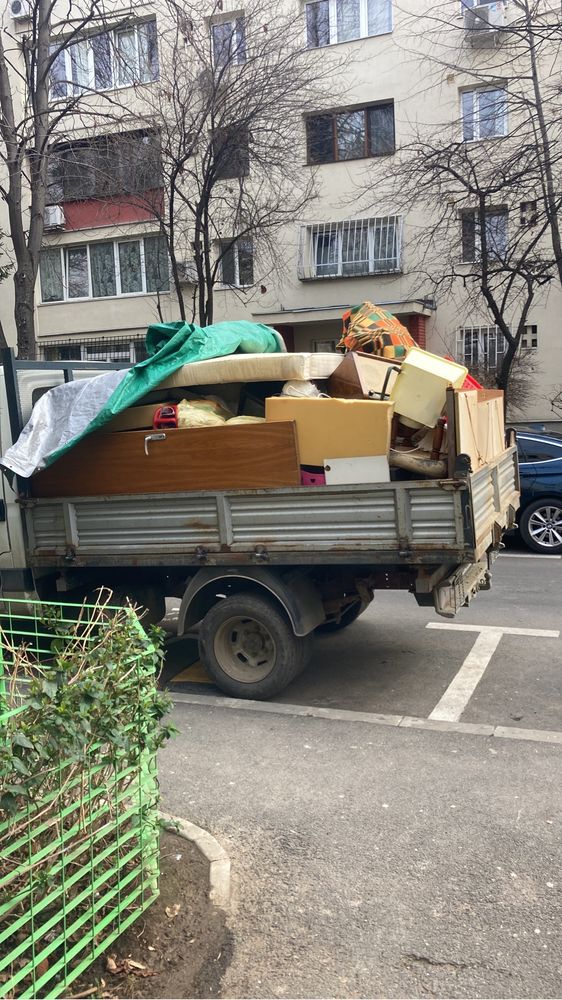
(78, 853)
(480, 347)
(114, 349)
(351, 248)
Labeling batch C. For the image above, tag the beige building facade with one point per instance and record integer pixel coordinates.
(404, 66)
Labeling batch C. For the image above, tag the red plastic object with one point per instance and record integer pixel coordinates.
(312, 478)
(165, 416)
(471, 383)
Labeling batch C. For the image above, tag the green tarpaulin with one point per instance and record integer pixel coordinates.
(67, 413)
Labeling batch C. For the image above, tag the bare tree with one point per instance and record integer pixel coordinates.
(487, 181)
(229, 111)
(474, 244)
(34, 116)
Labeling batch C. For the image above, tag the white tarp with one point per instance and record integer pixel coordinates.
(58, 417)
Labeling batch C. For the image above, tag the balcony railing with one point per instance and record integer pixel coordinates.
(350, 249)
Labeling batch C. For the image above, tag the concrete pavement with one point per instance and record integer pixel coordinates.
(375, 862)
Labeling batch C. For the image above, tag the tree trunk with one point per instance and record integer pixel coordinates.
(550, 197)
(24, 314)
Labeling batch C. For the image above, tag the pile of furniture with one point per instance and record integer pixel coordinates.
(265, 421)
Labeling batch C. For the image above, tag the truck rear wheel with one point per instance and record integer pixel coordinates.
(248, 647)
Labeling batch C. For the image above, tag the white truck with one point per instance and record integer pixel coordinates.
(258, 571)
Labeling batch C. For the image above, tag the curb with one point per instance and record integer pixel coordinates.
(219, 861)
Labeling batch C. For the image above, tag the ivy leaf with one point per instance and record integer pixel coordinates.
(49, 688)
(20, 765)
(19, 739)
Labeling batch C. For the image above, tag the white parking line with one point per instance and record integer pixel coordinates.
(541, 633)
(452, 704)
(526, 555)
(457, 696)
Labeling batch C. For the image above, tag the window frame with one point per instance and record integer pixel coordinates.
(333, 23)
(367, 134)
(73, 89)
(238, 32)
(111, 160)
(530, 337)
(232, 245)
(469, 4)
(119, 294)
(470, 214)
(474, 93)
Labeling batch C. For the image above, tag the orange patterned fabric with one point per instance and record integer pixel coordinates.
(369, 328)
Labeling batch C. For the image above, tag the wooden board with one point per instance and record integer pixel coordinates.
(480, 425)
(204, 458)
(361, 376)
(135, 418)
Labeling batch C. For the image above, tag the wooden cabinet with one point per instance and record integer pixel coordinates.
(175, 461)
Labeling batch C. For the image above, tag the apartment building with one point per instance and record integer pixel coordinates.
(404, 66)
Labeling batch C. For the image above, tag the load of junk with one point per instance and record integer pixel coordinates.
(228, 407)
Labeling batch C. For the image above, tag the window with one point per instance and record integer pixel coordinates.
(530, 338)
(105, 166)
(120, 349)
(231, 152)
(229, 42)
(495, 233)
(351, 135)
(480, 347)
(330, 21)
(477, 3)
(117, 58)
(484, 114)
(237, 263)
(541, 451)
(352, 248)
(528, 213)
(100, 270)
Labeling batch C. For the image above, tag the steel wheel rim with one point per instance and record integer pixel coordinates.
(245, 649)
(545, 526)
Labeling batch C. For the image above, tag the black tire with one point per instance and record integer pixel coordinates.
(350, 615)
(249, 636)
(548, 512)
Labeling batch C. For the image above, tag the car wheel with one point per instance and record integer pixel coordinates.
(248, 647)
(541, 526)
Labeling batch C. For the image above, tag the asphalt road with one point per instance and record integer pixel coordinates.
(372, 858)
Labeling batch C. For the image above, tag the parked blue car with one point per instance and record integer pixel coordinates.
(540, 469)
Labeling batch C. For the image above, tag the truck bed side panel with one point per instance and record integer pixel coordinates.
(419, 522)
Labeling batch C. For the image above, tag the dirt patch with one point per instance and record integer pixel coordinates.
(182, 938)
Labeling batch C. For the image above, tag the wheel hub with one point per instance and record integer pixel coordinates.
(545, 526)
(245, 649)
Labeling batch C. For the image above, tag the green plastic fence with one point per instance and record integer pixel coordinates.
(79, 861)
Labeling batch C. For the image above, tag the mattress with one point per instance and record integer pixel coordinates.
(253, 368)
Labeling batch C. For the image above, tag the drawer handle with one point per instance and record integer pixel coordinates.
(152, 437)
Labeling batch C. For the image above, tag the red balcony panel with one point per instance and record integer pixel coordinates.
(113, 211)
